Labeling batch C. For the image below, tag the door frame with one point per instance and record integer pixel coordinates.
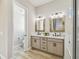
(26, 22)
(74, 27)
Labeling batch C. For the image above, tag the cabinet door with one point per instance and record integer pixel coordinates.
(60, 48)
(36, 43)
(51, 47)
(56, 48)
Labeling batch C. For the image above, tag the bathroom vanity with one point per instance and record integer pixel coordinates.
(52, 45)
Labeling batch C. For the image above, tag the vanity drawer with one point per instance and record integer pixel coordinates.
(33, 37)
(44, 39)
(56, 40)
(44, 48)
(44, 43)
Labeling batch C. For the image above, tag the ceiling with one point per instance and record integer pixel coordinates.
(37, 3)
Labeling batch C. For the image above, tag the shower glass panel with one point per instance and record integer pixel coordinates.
(77, 25)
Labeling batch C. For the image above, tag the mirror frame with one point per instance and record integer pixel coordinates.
(36, 30)
(54, 25)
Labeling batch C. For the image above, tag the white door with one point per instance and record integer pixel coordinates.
(20, 28)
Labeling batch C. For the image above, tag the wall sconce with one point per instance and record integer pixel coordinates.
(56, 15)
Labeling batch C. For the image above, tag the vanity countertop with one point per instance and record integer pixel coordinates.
(58, 37)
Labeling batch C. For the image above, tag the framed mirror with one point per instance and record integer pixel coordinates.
(40, 25)
(57, 25)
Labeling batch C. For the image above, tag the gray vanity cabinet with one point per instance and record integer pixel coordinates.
(56, 48)
(50, 45)
(36, 42)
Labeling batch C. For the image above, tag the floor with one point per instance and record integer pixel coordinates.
(35, 54)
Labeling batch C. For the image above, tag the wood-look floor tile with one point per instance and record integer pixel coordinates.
(35, 54)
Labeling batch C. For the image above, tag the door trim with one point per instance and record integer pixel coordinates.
(74, 28)
(26, 20)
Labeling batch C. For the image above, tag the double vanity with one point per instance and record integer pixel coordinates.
(49, 44)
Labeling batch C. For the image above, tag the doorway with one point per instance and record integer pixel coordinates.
(20, 29)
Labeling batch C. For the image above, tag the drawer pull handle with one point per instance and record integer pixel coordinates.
(43, 39)
(34, 40)
(43, 47)
(43, 42)
(54, 44)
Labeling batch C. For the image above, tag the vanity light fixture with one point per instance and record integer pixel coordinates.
(53, 16)
(56, 15)
(61, 14)
(40, 18)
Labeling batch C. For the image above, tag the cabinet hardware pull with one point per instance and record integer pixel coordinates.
(43, 48)
(34, 40)
(43, 42)
(54, 44)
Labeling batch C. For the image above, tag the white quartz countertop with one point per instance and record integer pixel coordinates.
(58, 37)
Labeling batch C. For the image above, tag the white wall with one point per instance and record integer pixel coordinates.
(57, 6)
(5, 17)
